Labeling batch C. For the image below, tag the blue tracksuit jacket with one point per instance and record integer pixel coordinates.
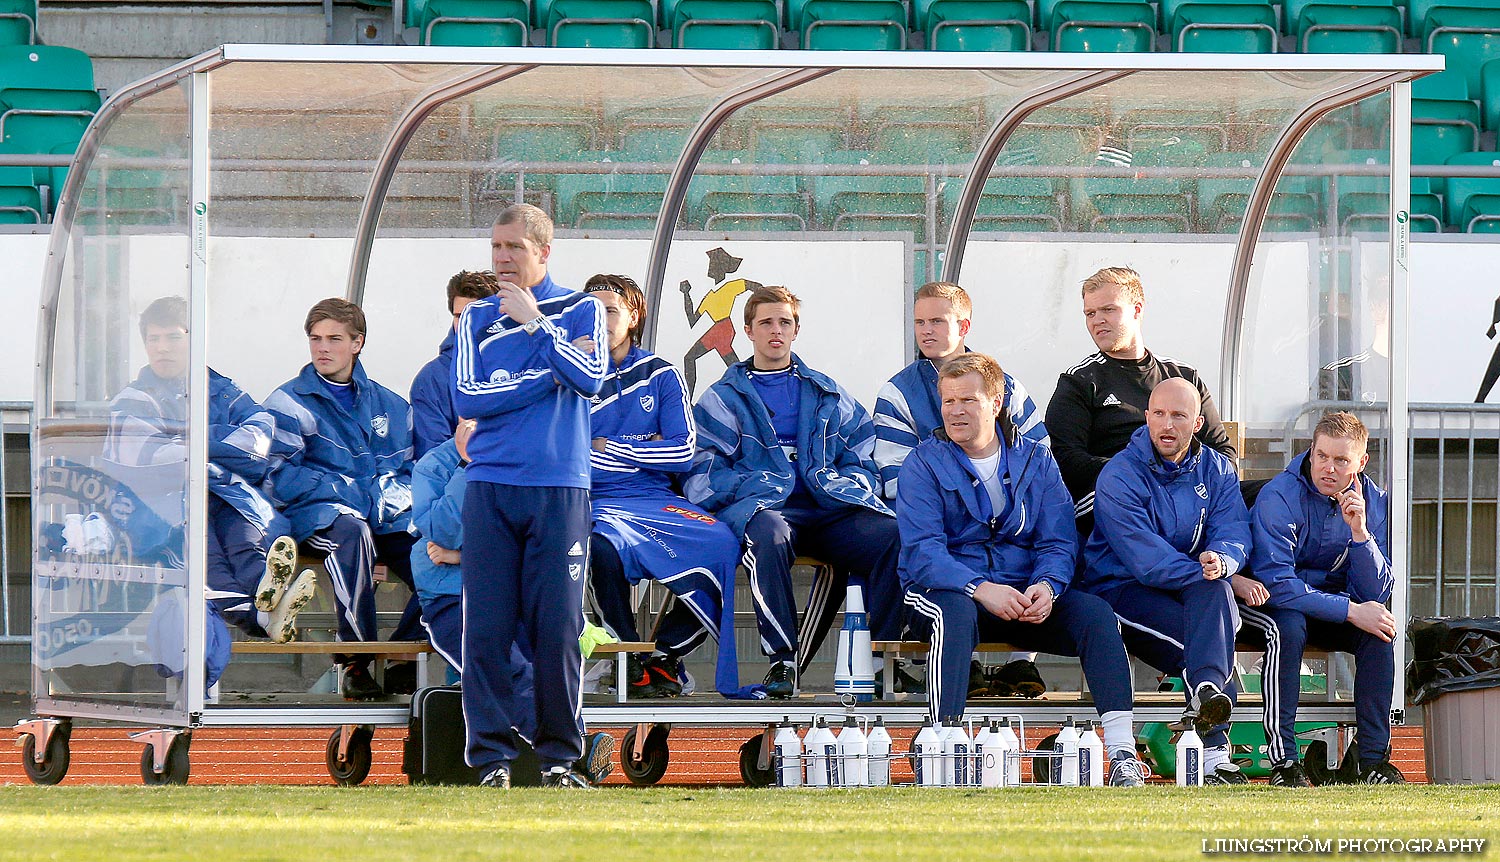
(343, 463)
(1152, 518)
(907, 411)
(740, 468)
(1304, 552)
(645, 397)
(525, 389)
(432, 415)
(437, 507)
(952, 539)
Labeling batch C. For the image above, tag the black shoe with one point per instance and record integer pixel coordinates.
(359, 683)
(401, 677)
(497, 777)
(638, 683)
(1315, 763)
(781, 680)
(661, 671)
(902, 682)
(562, 776)
(1214, 707)
(1021, 677)
(596, 762)
(979, 685)
(1381, 773)
(1289, 774)
(1226, 773)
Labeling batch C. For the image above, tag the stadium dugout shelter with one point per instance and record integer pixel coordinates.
(1263, 198)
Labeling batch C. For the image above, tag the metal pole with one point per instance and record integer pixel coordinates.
(1400, 328)
(197, 465)
(687, 163)
(390, 157)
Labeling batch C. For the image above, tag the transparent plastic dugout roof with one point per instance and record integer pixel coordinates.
(1263, 199)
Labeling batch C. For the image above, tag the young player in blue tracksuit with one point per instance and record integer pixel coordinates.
(1321, 547)
(988, 546)
(249, 551)
(784, 458)
(1170, 530)
(520, 376)
(347, 487)
(907, 412)
(643, 438)
(432, 414)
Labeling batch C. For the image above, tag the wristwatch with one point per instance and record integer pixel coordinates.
(531, 326)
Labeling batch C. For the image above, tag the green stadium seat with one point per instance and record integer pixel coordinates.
(542, 141)
(1025, 204)
(1458, 190)
(978, 25)
(1363, 212)
(1229, 28)
(20, 200)
(1047, 144)
(651, 142)
(601, 24)
(1126, 205)
(854, 25)
(47, 96)
(476, 23)
(17, 22)
(1169, 9)
(925, 142)
(880, 211)
(611, 201)
(1467, 49)
(45, 67)
(1435, 141)
(747, 202)
(836, 196)
(1292, 10)
(795, 143)
(1467, 15)
(726, 24)
(1324, 28)
(1416, 12)
(1093, 26)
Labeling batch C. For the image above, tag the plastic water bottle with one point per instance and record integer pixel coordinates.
(1189, 759)
(957, 754)
(1067, 743)
(854, 672)
(976, 763)
(928, 763)
(854, 755)
(879, 747)
(820, 742)
(788, 755)
(1090, 756)
(1010, 761)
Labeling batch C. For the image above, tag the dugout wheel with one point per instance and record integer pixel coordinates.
(1046, 770)
(174, 766)
(652, 762)
(750, 769)
(353, 767)
(54, 735)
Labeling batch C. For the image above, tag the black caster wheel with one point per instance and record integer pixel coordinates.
(1046, 770)
(54, 763)
(355, 767)
(653, 763)
(750, 769)
(174, 771)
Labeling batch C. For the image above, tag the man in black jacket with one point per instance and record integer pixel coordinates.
(1101, 401)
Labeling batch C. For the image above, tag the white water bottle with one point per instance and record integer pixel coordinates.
(879, 747)
(788, 755)
(1010, 760)
(854, 755)
(1189, 759)
(1090, 756)
(957, 756)
(984, 737)
(820, 742)
(1067, 743)
(928, 763)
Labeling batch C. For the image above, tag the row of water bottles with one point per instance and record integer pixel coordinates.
(850, 758)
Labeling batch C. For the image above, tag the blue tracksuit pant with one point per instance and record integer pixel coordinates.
(443, 617)
(678, 632)
(1188, 633)
(351, 554)
(853, 540)
(525, 559)
(1288, 633)
(1080, 625)
(236, 563)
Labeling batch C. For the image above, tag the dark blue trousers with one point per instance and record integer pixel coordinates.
(678, 633)
(1080, 625)
(443, 617)
(851, 539)
(525, 558)
(351, 552)
(236, 563)
(1292, 632)
(1188, 633)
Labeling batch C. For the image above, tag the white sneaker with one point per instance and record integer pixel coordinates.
(281, 565)
(282, 625)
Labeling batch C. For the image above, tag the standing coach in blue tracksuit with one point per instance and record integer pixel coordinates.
(988, 546)
(1322, 550)
(432, 415)
(347, 486)
(785, 459)
(519, 375)
(1170, 531)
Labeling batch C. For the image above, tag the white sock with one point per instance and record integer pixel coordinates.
(262, 618)
(1118, 731)
(1215, 757)
(1023, 656)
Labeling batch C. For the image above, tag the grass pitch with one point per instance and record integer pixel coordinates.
(222, 824)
